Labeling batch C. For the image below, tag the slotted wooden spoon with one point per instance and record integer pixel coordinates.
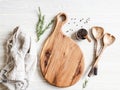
(108, 39)
(61, 59)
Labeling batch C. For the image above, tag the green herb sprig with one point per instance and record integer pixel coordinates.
(40, 29)
(85, 83)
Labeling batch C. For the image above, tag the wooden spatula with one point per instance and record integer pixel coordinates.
(61, 59)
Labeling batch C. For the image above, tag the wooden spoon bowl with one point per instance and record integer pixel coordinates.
(97, 32)
(108, 39)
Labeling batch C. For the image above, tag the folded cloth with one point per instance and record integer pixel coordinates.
(21, 60)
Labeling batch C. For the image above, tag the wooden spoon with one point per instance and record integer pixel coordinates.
(97, 33)
(108, 39)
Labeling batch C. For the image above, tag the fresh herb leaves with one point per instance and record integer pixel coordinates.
(40, 29)
(85, 83)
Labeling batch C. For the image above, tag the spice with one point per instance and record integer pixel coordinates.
(76, 22)
(81, 19)
(77, 25)
(82, 34)
(40, 29)
(71, 18)
(67, 31)
(87, 20)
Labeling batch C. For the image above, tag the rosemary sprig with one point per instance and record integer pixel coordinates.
(47, 26)
(40, 29)
(85, 83)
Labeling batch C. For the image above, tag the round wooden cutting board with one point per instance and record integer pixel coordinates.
(61, 59)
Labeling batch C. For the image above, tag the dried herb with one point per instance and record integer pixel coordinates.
(85, 83)
(40, 29)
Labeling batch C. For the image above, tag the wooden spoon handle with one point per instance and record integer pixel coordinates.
(96, 62)
(96, 54)
(89, 40)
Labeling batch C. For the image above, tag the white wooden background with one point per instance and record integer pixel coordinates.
(105, 13)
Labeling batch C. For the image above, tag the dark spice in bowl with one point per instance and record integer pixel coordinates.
(82, 34)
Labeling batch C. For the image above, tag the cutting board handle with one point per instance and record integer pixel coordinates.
(61, 18)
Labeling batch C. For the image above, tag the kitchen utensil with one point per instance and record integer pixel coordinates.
(97, 33)
(108, 39)
(61, 59)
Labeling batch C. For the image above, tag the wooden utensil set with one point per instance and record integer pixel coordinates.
(107, 39)
(61, 59)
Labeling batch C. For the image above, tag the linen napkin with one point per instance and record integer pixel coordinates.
(21, 60)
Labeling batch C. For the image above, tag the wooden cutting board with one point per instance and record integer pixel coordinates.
(61, 59)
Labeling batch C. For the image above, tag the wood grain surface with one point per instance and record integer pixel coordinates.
(61, 59)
